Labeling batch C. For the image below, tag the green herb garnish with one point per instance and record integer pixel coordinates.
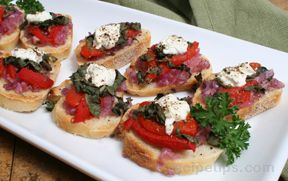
(38, 67)
(121, 107)
(227, 129)
(5, 2)
(30, 6)
(151, 111)
(56, 20)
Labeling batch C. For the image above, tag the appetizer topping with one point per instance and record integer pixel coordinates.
(174, 45)
(86, 100)
(217, 125)
(258, 81)
(10, 18)
(39, 16)
(26, 70)
(35, 55)
(99, 75)
(174, 110)
(107, 36)
(235, 76)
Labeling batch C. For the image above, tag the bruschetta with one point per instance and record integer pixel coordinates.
(252, 87)
(90, 104)
(11, 17)
(114, 45)
(26, 76)
(169, 137)
(169, 66)
(50, 32)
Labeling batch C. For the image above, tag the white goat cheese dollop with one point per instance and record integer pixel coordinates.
(107, 36)
(174, 110)
(39, 17)
(99, 75)
(174, 45)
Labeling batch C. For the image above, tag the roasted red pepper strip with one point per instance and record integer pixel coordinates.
(165, 141)
(2, 67)
(88, 53)
(11, 71)
(128, 123)
(255, 65)
(188, 127)
(132, 33)
(35, 79)
(82, 113)
(151, 126)
(37, 32)
(191, 51)
(73, 97)
(239, 94)
(2, 10)
(53, 32)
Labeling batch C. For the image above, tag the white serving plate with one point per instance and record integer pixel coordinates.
(102, 158)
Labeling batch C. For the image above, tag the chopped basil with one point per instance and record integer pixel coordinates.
(56, 20)
(186, 136)
(140, 77)
(256, 88)
(90, 40)
(144, 57)
(121, 107)
(199, 80)
(93, 103)
(259, 71)
(154, 70)
(122, 41)
(151, 111)
(49, 105)
(44, 65)
(159, 96)
(159, 51)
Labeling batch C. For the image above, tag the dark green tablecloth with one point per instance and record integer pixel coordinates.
(257, 21)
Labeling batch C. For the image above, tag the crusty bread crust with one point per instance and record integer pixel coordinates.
(151, 89)
(60, 52)
(28, 101)
(9, 42)
(92, 128)
(146, 155)
(123, 56)
(269, 100)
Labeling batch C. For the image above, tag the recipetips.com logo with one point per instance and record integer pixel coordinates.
(250, 168)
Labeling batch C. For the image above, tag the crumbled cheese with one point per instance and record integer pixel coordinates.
(31, 54)
(99, 75)
(235, 76)
(107, 36)
(174, 45)
(39, 17)
(174, 110)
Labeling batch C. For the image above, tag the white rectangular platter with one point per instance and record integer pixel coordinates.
(102, 158)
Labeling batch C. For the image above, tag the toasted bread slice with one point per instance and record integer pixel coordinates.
(148, 156)
(9, 42)
(92, 128)
(60, 52)
(269, 100)
(28, 101)
(122, 56)
(152, 89)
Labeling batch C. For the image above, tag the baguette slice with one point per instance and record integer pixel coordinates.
(269, 100)
(9, 42)
(92, 128)
(151, 89)
(60, 52)
(146, 155)
(122, 56)
(28, 101)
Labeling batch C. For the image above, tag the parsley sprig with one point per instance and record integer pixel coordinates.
(5, 2)
(30, 6)
(228, 131)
